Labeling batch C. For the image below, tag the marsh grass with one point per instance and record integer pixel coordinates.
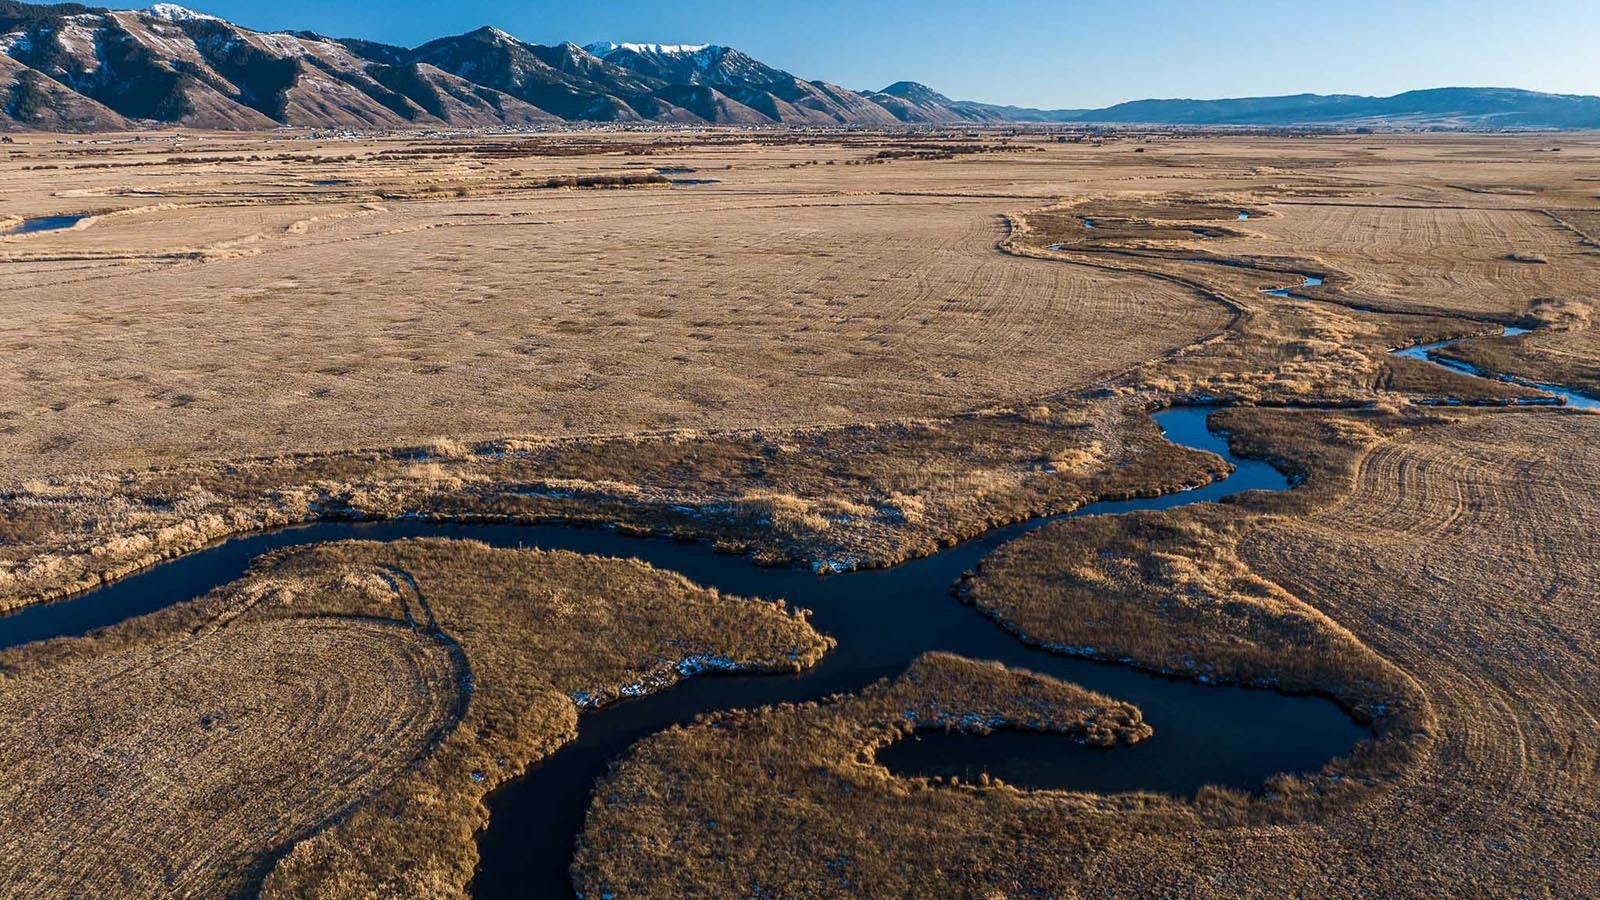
(792, 796)
(847, 497)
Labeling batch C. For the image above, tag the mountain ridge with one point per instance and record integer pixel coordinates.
(71, 67)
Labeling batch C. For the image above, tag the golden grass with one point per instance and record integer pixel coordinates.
(1564, 348)
(788, 801)
(1168, 591)
(345, 706)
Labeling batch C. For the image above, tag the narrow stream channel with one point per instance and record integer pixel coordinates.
(1289, 294)
(1556, 395)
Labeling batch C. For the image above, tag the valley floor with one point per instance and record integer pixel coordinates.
(835, 350)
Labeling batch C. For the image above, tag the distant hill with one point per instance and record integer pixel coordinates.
(70, 67)
(1478, 108)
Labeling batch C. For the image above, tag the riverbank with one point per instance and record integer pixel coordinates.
(836, 498)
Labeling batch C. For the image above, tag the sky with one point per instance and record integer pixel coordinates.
(1060, 54)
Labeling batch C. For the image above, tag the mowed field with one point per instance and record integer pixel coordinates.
(1465, 555)
(177, 766)
(1412, 257)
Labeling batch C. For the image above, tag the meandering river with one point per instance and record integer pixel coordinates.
(882, 620)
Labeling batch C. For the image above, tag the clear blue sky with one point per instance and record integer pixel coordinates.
(1066, 53)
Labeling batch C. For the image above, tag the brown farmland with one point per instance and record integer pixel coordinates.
(249, 310)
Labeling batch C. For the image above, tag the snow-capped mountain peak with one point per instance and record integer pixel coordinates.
(172, 12)
(605, 48)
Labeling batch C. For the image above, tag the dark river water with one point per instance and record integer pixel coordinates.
(882, 619)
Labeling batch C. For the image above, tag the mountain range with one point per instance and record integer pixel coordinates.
(69, 67)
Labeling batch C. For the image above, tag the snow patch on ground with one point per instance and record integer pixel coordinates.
(696, 665)
(845, 563)
(664, 677)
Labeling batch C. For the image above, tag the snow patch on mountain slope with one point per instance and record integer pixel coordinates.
(499, 36)
(20, 41)
(163, 36)
(172, 12)
(280, 45)
(79, 38)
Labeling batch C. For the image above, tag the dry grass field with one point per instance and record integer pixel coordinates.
(251, 310)
(235, 296)
(1454, 260)
(344, 708)
(846, 350)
